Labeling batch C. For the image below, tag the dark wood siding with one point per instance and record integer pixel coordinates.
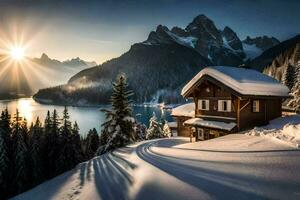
(213, 93)
(249, 118)
(268, 109)
(183, 131)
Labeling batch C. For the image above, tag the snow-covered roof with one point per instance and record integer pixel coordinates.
(172, 124)
(243, 81)
(211, 124)
(185, 110)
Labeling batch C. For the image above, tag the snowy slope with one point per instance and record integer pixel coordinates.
(286, 129)
(230, 167)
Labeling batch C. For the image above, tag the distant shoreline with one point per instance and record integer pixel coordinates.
(145, 104)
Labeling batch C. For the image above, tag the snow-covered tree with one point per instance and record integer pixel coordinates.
(119, 121)
(166, 129)
(295, 102)
(155, 129)
(289, 76)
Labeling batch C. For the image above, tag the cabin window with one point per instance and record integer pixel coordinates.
(255, 106)
(203, 104)
(224, 105)
(200, 134)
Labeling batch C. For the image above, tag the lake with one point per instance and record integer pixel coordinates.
(86, 117)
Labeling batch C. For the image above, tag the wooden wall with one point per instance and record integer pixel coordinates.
(183, 131)
(213, 94)
(268, 109)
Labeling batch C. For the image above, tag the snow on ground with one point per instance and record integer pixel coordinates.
(286, 129)
(231, 167)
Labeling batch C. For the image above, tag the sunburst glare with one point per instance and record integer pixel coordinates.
(17, 53)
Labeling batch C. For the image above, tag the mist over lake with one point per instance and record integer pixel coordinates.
(86, 117)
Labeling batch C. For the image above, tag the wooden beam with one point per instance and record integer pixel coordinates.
(238, 114)
(196, 103)
(244, 106)
(265, 111)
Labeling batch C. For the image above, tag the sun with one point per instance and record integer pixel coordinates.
(17, 53)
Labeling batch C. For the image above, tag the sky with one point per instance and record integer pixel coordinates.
(104, 29)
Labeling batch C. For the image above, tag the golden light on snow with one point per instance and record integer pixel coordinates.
(17, 53)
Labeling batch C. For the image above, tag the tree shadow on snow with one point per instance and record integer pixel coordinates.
(112, 176)
(209, 178)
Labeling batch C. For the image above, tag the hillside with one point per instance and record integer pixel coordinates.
(158, 67)
(235, 166)
(277, 56)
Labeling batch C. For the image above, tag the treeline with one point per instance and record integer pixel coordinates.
(73, 95)
(31, 155)
(286, 68)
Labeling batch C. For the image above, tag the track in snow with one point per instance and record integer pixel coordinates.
(159, 169)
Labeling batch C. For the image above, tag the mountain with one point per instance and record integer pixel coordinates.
(153, 71)
(276, 61)
(254, 47)
(158, 67)
(268, 57)
(27, 77)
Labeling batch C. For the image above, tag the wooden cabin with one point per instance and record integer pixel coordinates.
(228, 100)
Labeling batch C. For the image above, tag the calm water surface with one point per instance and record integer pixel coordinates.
(86, 117)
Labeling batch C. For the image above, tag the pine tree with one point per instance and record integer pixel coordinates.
(35, 153)
(66, 155)
(4, 164)
(47, 147)
(93, 143)
(119, 124)
(76, 141)
(289, 76)
(52, 143)
(20, 154)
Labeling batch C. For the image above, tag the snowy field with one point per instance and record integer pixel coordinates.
(236, 166)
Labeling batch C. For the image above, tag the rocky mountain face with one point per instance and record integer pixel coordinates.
(158, 67)
(262, 43)
(219, 46)
(277, 56)
(54, 72)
